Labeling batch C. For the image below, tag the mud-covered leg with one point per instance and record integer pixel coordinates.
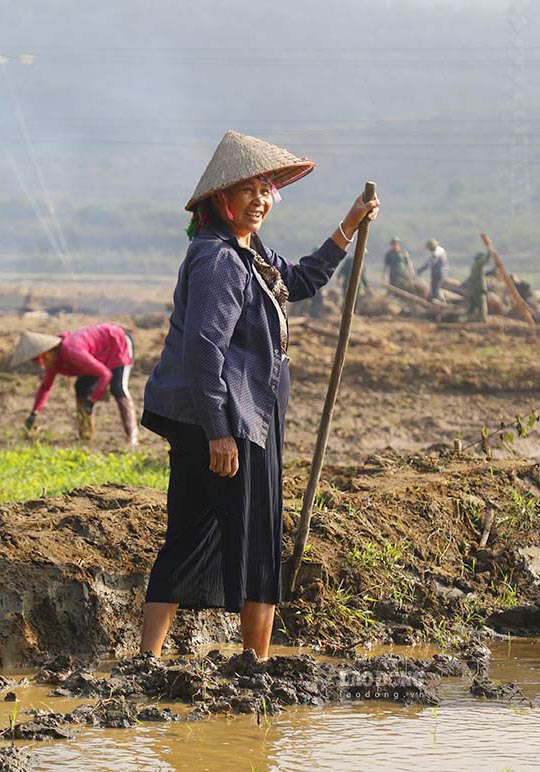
(86, 422)
(157, 619)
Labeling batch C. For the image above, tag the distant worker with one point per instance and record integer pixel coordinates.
(100, 356)
(477, 289)
(398, 264)
(344, 274)
(437, 262)
(523, 287)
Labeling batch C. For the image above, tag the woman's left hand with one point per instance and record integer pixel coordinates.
(358, 211)
(224, 456)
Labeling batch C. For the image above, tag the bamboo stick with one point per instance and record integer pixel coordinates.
(487, 528)
(520, 303)
(331, 394)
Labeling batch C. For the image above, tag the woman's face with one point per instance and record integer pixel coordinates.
(47, 359)
(244, 207)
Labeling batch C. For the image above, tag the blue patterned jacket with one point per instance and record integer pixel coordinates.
(221, 362)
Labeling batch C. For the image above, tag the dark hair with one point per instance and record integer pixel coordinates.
(204, 211)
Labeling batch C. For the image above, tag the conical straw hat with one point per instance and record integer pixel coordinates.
(31, 345)
(239, 157)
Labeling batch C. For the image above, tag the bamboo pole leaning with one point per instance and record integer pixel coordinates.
(518, 300)
(331, 394)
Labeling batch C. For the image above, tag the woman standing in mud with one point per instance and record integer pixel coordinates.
(219, 393)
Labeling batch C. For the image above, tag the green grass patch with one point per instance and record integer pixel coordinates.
(30, 472)
(370, 554)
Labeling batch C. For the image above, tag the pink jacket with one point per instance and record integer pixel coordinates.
(93, 350)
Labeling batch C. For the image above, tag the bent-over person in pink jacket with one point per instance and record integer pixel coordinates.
(100, 356)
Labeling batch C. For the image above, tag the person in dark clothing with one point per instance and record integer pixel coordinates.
(477, 289)
(398, 266)
(344, 274)
(219, 393)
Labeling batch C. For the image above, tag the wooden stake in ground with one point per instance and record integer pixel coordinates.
(487, 528)
(520, 303)
(331, 394)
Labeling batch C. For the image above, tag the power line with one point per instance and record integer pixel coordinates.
(50, 236)
(349, 143)
(37, 166)
(520, 189)
(55, 234)
(257, 57)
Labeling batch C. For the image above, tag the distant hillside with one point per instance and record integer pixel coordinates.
(124, 103)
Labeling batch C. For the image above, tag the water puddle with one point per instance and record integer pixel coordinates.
(463, 733)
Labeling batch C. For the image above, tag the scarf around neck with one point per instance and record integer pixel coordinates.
(274, 284)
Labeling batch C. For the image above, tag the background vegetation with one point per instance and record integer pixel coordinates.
(107, 132)
(28, 472)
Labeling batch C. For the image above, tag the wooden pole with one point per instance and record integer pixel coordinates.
(406, 295)
(331, 394)
(520, 303)
(487, 528)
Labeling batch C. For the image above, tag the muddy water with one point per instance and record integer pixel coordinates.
(463, 733)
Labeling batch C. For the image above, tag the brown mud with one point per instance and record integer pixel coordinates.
(394, 552)
(73, 571)
(15, 759)
(133, 692)
(406, 385)
(393, 555)
(243, 684)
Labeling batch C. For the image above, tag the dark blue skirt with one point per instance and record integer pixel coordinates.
(223, 541)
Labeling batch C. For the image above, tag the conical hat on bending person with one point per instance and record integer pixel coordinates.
(239, 157)
(31, 345)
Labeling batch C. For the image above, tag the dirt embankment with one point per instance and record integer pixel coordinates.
(393, 555)
(395, 536)
(73, 572)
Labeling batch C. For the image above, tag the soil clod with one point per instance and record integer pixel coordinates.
(491, 690)
(14, 759)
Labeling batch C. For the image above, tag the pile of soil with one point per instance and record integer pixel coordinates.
(393, 555)
(35, 300)
(394, 550)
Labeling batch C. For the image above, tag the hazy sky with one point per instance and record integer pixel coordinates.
(127, 99)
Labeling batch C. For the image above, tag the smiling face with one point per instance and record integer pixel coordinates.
(245, 206)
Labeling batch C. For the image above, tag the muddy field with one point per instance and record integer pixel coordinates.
(394, 555)
(407, 384)
(411, 541)
(394, 552)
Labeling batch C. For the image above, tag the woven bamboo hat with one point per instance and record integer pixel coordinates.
(239, 157)
(31, 345)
